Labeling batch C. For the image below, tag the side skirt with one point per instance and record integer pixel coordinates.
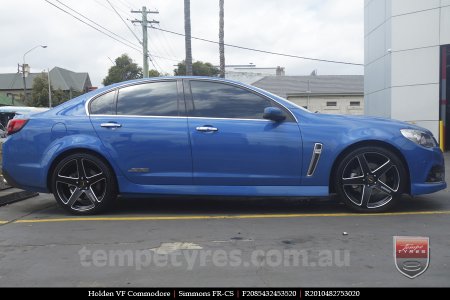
(129, 189)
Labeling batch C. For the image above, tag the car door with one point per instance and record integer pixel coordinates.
(144, 129)
(232, 144)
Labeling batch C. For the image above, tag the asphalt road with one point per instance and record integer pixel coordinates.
(205, 242)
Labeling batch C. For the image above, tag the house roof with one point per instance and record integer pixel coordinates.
(60, 79)
(320, 84)
(14, 81)
(65, 80)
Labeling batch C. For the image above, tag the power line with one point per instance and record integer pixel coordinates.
(156, 47)
(163, 57)
(101, 4)
(125, 4)
(90, 20)
(171, 51)
(155, 63)
(93, 27)
(124, 11)
(263, 51)
(124, 22)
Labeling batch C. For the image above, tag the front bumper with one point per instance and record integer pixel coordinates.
(427, 170)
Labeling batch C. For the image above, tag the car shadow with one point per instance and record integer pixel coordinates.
(255, 205)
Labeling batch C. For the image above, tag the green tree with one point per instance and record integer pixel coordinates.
(198, 69)
(125, 69)
(154, 73)
(39, 94)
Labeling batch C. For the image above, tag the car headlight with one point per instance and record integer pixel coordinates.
(419, 137)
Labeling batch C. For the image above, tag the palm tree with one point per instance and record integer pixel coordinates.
(187, 31)
(221, 40)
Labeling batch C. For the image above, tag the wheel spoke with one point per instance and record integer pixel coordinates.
(358, 180)
(383, 187)
(383, 168)
(364, 164)
(80, 168)
(74, 197)
(91, 196)
(365, 197)
(96, 178)
(67, 180)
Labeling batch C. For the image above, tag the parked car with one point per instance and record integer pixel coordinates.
(9, 112)
(209, 136)
(3, 132)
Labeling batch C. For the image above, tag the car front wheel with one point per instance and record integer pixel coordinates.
(83, 184)
(370, 179)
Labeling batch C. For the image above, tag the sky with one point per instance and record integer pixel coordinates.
(324, 29)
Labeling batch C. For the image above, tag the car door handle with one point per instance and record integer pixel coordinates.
(111, 125)
(206, 129)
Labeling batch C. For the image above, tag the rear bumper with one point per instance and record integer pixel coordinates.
(10, 180)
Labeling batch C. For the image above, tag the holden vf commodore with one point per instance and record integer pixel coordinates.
(210, 136)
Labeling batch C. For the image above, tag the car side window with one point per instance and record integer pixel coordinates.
(104, 105)
(219, 100)
(149, 99)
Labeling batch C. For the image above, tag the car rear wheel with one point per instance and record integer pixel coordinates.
(370, 179)
(83, 184)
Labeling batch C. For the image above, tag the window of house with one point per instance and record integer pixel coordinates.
(355, 103)
(149, 99)
(219, 100)
(331, 103)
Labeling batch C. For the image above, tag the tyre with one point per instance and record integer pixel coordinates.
(84, 184)
(370, 179)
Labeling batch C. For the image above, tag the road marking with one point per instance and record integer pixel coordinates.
(167, 248)
(222, 217)
(3, 222)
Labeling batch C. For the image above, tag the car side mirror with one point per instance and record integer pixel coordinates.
(274, 113)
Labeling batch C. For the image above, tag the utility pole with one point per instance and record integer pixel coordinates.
(25, 70)
(221, 39)
(144, 23)
(49, 90)
(187, 36)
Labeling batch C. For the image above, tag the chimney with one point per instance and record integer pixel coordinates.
(280, 71)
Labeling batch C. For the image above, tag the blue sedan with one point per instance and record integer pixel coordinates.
(209, 136)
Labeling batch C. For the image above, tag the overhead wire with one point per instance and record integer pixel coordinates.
(263, 51)
(93, 27)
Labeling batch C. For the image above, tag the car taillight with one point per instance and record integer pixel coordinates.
(15, 125)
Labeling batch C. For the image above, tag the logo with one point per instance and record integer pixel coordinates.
(411, 254)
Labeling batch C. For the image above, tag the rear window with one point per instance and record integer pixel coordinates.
(149, 99)
(104, 105)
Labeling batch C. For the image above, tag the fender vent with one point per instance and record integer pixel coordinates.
(314, 158)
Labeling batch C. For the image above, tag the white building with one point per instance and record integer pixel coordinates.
(406, 61)
(250, 73)
(329, 94)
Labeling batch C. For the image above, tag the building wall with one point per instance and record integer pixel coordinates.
(324, 104)
(402, 44)
(249, 74)
(15, 94)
